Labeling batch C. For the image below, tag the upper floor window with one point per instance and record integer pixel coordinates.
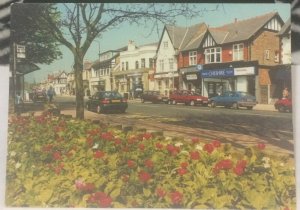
(123, 66)
(151, 63)
(136, 64)
(127, 66)
(143, 65)
(238, 52)
(161, 65)
(171, 63)
(267, 54)
(193, 58)
(213, 55)
(165, 44)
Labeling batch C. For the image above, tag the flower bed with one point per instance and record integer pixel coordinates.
(54, 162)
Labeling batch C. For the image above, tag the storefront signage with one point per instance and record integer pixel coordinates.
(191, 77)
(244, 71)
(217, 73)
(199, 67)
(169, 75)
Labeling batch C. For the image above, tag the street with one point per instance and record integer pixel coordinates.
(239, 127)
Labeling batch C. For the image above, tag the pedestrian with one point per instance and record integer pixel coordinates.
(50, 93)
(285, 93)
(18, 104)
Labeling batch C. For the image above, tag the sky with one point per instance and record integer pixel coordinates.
(118, 37)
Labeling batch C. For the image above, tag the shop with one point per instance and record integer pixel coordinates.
(280, 78)
(191, 78)
(164, 82)
(228, 77)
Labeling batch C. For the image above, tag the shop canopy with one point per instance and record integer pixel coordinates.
(25, 67)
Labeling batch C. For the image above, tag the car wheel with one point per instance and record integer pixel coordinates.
(249, 107)
(99, 110)
(235, 105)
(213, 104)
(192, 103)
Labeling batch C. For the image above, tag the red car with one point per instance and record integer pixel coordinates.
(284, 105)
(187, 97)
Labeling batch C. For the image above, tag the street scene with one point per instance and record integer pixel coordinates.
(198, 115)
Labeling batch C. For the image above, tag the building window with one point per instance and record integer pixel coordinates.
(167, 83)
(151, 63)
(136, 64)
(123, 66)
(213, 55)
(161, 65)
(267, 54)
(171, 63)
(238, 52)
(193, 58)
(127, 66)
(166, 44)
(159, 84)
(143, 63)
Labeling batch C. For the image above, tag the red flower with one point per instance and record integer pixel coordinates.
(147, 136)
(195, 155)
(208, 148)
(159, 145)
(99, 154)
(144, 176)
(216, 143)
(182, 171)
(149, 163)
(101, 199)
(176, 197)
(118, 142)
(85, 187)
(108, 136)
(241, 163)
(132, 140)
(173, 149)
(184, 165)
(195, 140)
(223, 165)
(56, 156)
(90, 141)
(142, 147)
(160, 192)
(261, 146)
(240, 167)
(130, 163)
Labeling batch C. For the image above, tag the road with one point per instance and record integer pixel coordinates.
(239, 127)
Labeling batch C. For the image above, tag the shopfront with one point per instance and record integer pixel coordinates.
(218, 81)
(164, 82)
(191, 78)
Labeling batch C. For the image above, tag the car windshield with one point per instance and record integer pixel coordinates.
(111, 95)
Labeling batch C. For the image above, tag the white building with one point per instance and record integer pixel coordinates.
(60, 83)
(136, 63)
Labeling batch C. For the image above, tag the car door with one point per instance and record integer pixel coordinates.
(224, 99)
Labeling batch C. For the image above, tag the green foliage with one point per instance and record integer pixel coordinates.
(54, 162)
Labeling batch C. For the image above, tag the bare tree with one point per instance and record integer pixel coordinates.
(77, 25)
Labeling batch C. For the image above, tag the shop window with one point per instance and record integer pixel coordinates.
(159, 85)
(193, 58)
(238, 52)
(143, 63)
(171, 63)
(213, 55)
(167, 83)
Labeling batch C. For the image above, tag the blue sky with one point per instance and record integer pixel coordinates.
(118, 37)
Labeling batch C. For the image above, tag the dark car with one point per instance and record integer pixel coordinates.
(154, 97)
(234, 99)
(284, 105)
(39, 96)
(187, 97)
(107, 101)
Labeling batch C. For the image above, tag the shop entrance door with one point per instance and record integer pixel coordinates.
(215, 88)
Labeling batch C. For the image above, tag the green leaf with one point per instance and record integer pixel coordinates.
(115, 193)
(146, 192)
(45, 195)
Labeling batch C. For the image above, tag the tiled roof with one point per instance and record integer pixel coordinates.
(176, 34)
(240, 30)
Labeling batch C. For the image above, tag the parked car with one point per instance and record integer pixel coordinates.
(154, 97)
(187, 97)
(234, 99)
(39, 96)
(284, 105)
(107, 101)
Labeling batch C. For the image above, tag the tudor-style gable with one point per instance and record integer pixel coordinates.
(209, 41)
(274, 24)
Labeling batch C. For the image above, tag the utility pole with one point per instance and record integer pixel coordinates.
(14, 79)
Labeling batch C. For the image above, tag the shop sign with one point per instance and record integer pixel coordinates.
(244, 71)
(169, 75)
(217, 73)
(191, 77)
(199, 67)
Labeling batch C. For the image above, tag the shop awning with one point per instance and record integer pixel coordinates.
(186, 70)
(25, 67)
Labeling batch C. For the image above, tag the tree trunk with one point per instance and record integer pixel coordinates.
(78, 68)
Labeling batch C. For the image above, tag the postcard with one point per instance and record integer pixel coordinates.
(150, 106)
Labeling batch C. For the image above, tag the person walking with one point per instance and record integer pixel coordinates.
(285, 93)
(50, 93)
